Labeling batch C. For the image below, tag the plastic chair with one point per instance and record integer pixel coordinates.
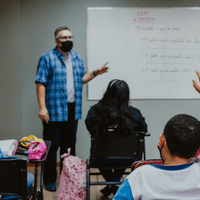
(139, 163)
(127, 150)
(13, 181)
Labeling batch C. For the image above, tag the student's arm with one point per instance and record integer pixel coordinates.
(124, 192)
(89, 76)
(196, 86)
(142, 123)
(138, 120)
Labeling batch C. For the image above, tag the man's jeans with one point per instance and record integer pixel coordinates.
(63, 135)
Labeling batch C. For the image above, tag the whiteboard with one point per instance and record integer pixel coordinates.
(155, 50)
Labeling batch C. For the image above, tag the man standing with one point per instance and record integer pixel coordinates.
(59, 79)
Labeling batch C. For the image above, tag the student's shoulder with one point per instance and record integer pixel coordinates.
(92, 108)
(91, 111)
(134, 111)
(196, 163)
(141, 170)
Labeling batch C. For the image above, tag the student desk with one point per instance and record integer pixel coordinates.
(38, 194)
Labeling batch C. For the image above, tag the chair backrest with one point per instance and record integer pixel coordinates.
(118, 147)
(13, 177)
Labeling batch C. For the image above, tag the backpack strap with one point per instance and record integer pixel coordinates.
(66, 154)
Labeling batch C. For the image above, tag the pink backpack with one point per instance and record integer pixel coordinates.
(73, 178)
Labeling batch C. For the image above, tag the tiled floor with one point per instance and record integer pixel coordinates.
(95, 193)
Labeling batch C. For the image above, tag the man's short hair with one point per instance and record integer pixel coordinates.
(60, 29)
(182, 133)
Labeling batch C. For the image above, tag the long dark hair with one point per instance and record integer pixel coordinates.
(112, 109)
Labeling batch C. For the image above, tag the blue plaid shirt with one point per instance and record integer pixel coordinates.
(52, 73)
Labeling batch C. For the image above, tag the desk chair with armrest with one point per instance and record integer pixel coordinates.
(13, 176)
(13, 181)
(127, 150)
(38, 194)
(139, 163)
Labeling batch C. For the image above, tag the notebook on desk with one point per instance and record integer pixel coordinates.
(8, 147)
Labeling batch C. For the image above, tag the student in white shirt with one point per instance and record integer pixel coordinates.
(177, 178)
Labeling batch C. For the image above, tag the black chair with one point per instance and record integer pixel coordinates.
(13, 178)
(128, 150)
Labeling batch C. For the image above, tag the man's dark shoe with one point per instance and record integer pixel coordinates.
(50, 187)
(106, 191)
(114, 189)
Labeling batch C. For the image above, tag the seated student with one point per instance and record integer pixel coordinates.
(177, 178)
(113, 113)
(30, 179)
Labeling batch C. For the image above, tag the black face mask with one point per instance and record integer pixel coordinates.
(160, 153)
(66, 46)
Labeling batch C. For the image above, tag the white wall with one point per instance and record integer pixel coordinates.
(27, 31)
(10, 70)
